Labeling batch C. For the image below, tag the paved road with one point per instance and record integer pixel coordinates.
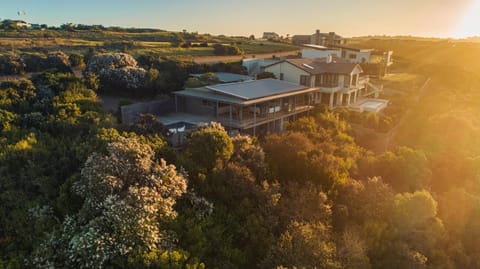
(217, 59)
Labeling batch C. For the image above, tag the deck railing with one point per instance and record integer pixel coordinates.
(250, 120)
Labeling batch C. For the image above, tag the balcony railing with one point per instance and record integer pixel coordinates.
(251, 120)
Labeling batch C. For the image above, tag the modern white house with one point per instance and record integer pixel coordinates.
(316, 51)
(338, 81)
(355, 55)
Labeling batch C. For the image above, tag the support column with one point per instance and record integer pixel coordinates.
(348, 102)
(176, 104)
(331, 100)
(230, 116)
(254, 117)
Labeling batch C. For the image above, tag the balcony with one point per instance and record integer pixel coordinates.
(254, 118)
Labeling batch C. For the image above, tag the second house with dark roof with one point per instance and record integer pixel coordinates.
(338, 81)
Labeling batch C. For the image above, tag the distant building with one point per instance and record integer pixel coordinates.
(322, 39)
(15, 24)
(270, 35)
(354, 55)
(379, 66)
(316, 51)
(22, 24)
(36, 26)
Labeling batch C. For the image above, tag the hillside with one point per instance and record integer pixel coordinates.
(135, 41)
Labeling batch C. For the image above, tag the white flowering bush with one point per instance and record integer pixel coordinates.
(128, 197)
(110, 61)
(129, 77)
(117, 70)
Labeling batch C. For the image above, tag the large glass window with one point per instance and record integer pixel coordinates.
(304, 80)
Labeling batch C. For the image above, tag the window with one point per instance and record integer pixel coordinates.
(281, 76)
(330, 80)
(304, 80)
(346, 81)
(352, 56)
(354, 79)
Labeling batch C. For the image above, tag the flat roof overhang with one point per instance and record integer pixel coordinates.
(231, 100)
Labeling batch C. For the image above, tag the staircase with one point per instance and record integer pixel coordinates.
(376, 90)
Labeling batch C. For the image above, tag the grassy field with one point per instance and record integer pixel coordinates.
(158, 42)
(404, 82)
(445, 119)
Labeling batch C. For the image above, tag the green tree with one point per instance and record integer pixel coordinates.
(76, 60)
(304, 245)
(405, 169)
(210, 146)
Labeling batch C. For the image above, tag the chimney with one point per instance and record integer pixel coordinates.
(331, 33)
(317, 32)
(329, 58)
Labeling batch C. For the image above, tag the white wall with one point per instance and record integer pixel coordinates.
(313, 53)
(290, 72)
(359, 56)
(254, 65)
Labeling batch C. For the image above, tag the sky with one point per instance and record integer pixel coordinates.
(429, 18)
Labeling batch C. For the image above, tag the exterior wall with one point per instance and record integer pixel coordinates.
(359, 55)
(290, 72)
(255, 66)
(356, 71)
(301, 39)
(131, 112)
(313, 53)
(195, 106)
(388, 58)
(341, 81)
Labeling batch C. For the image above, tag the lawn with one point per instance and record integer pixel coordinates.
(253, 47)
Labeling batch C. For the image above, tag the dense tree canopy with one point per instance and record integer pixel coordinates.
(80, 191)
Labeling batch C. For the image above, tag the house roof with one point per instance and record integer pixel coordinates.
(247, 92)
(318, 47)
(227, 77)
(316, 66)
(256, 88)
(351, 48)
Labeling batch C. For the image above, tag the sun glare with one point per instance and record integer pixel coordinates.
(470, 22)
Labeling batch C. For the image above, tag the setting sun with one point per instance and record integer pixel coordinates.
(470, 22)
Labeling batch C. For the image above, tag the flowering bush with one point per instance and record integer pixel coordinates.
(110, 61)
(127, 198)
(117, 70)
